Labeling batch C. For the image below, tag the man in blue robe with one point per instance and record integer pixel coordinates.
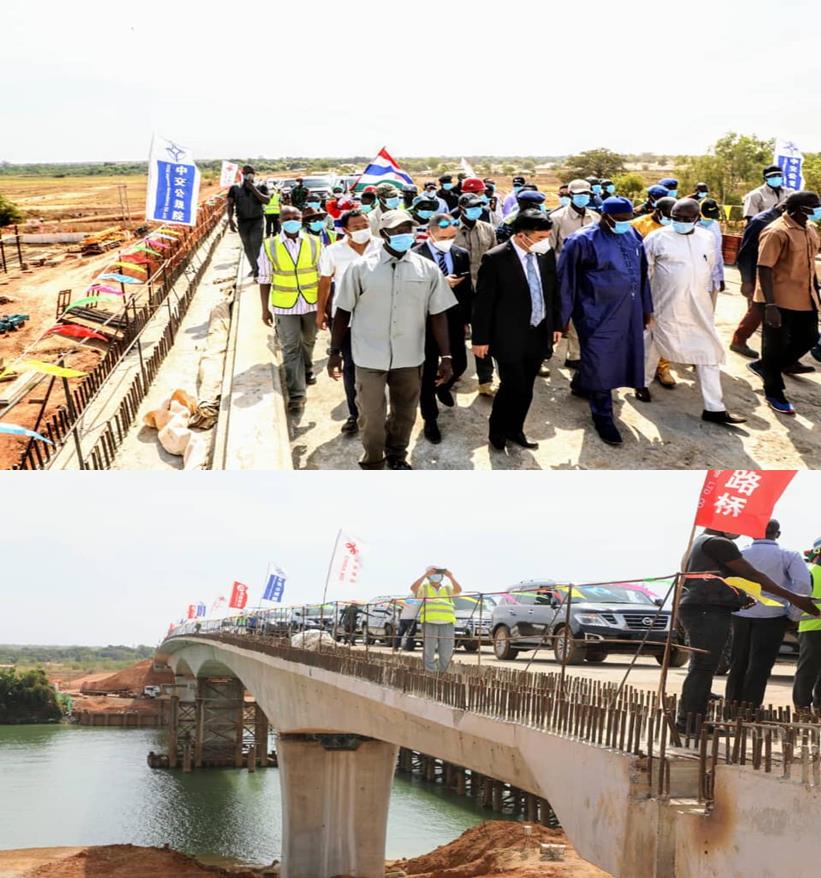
(604, 289)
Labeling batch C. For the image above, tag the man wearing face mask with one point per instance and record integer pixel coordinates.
(515, 320)
(289, 292)
(247, 201)
(660, 217)
(770, 194)
(494, 203)
(608, 188)
(653, 195)
(701, 191)
(447, 191)
(472, 186)
(430, 192)
(476, 237)
(710, 215)
(423, 208)
(334, 262)
(409, 194)
(564, 197)
(299, 194)
(529, 199)
(671, 185)
(595, 188)
(386, 298)
(315, 222)
(454, 263)
(787, 293)
(388, 198)
(681, 258)
(367, 200)
(511, 201)
(437, 616)
(567, 220)
(604, 288)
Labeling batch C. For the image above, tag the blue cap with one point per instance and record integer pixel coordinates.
(617, 204)
(669, 183)
(657, 191)
(531, 197)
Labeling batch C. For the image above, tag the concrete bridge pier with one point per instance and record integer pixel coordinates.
(335, 794)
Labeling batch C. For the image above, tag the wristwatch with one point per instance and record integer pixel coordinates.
(446, 357)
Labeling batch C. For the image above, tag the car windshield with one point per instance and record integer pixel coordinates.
(316, 183)
(613, 594)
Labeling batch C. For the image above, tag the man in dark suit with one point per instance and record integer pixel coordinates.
(454, 263)
(516, 321)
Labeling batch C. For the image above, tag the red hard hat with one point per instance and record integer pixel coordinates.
(473, 184)
(369, 189)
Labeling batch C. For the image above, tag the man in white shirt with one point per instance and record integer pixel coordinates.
(680, 259)
(333, 264)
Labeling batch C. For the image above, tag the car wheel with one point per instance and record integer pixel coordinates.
(367, 637)
(575, 654)
(594, 656)
(388, 638)
(502, 648)
(678, 658)
(471, 645)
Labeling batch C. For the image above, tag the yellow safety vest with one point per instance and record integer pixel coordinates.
(808, 622)
(273, 204)
(438, 606)
(289, 279)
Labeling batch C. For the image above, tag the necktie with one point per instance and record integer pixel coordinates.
(440, 258)
(536, 298)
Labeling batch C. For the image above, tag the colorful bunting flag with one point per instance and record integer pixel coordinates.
(105, 288)
(71, 331)
(16, 430)
(105, 299)
(122, 278)
(44, 369)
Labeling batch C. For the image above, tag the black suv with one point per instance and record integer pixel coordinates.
(604, 619)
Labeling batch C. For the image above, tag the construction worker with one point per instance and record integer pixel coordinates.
(271, 211)
(807, 686)
(437, 616)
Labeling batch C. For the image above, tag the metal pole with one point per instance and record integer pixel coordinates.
(566, 634)
(3, 254)
(19, 248)
(330, 565)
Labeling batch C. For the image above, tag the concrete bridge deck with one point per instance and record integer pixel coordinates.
(629, 802)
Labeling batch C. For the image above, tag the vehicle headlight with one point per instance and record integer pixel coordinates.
(592, 619)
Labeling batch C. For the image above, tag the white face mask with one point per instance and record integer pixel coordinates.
(443, 245)
(540, 247)
(361, 236)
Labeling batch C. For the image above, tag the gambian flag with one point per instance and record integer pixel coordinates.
(383, 169)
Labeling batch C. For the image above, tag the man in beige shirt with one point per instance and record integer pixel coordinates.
(787, 293)
(770, 194)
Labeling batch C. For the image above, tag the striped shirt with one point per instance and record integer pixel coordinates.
(292, 245)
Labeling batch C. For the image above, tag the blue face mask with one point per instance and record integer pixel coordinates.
(472, 213)
(672, 193)
(564, 200)
(313, 205)
(581, 200)
(291, 226)
(683, 228)
(424, 214)
(436, 577)
(316, 225)
(665, 220)
(447, 186)
(366, 208)
(775, 182)
(701, 195)
(815, 216)
(610, 188)
(392, 203)
(401, 243)
(517, 189)
(620, 227)
(706, 222)
(596, 189)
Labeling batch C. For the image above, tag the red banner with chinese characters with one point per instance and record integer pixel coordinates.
(192, 611)
(741, 501)
(239, 596)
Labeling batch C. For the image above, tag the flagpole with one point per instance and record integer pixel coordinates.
(267, 577)
(330, 565)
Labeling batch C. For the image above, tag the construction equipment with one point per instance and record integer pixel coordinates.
(107, 239)
(12, 323)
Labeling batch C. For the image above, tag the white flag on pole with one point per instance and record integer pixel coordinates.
(173, 184)
(346, 563)
(467, 168)
(228, 174)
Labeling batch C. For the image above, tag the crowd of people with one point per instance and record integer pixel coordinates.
(403, 278)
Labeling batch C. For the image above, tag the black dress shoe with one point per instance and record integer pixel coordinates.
(349, 427)
(398, 463)
(310, 378)
(572, 364)
(798, 369)
(432, 433)
(744, 350)
(608, 431)
(522, 440)
(816, 352)
(497, 442)
(445, 397)
(643, 394)
(722, 418)
(756, 368)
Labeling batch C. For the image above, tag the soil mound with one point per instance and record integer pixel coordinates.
(131, 680)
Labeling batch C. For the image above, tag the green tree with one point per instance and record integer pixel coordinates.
(594, 163)
(629, 185)
(27, 697)
(812, 171)
(10, 213)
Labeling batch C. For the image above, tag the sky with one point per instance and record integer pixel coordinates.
(91, 80)
(114, 558)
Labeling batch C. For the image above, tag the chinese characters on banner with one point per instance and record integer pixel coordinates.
(346, 563)
(275, 587)
(741, 501)
(789, 158)
(173, 184)
(200, 609)
(192, 611)
(229, 174)
(239, 596)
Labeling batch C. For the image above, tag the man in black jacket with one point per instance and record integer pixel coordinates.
(454, 262)
(516, 321)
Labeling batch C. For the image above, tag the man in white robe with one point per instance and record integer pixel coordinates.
(681, 259)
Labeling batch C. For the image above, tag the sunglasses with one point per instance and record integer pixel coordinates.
(446, 224)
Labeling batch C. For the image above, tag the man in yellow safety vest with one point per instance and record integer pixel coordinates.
(807, 685)
(271, 211)
(289, 289)
(437, 616)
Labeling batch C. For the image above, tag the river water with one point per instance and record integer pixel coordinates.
(72, 785)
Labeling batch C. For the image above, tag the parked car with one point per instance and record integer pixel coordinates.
(321, 186)
(151, 691)
(473, 620)
(381, 619)
(604, 619)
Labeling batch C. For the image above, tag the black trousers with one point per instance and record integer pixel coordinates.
(755, 648)
(456, 334)
(250, 233)
(807, 686)
(707, 628)
(406, 627)
(271, 224)
(782, 347)
(515, 394)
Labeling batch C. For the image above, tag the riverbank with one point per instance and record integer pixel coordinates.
(494, 849)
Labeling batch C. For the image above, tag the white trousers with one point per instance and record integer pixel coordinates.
(709, 377)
